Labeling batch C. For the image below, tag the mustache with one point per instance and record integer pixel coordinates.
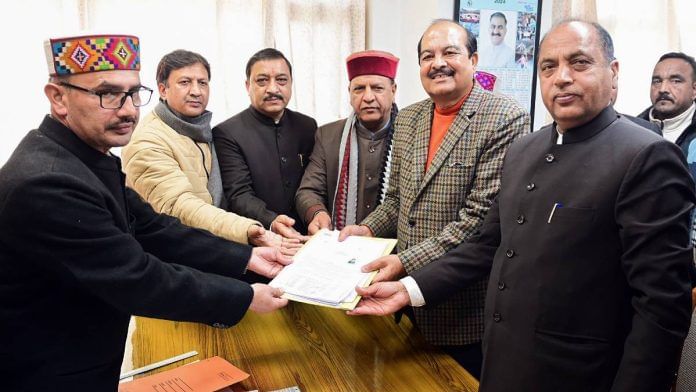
(664, 97)
(124, 121)
(498, 34)
(270, 96)
(447, 71)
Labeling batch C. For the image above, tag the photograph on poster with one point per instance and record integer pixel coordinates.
(506, 33)
(526, 36)
(497, 39)
(470, 19)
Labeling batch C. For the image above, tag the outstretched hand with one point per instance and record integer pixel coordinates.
(381, 299)
(268, 262)
(258, 236)
(322, 220)
(282, 225)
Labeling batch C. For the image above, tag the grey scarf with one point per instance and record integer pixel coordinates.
(198, 129)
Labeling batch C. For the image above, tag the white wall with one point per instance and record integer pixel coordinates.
(396, 27)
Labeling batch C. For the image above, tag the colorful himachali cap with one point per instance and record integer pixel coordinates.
(372, 62)
(485, 79)
(92, 53)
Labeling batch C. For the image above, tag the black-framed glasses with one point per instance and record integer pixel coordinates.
(115, 99)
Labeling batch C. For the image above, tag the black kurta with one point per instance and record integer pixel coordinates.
(262, 162)
(80, 253)
(592, 295)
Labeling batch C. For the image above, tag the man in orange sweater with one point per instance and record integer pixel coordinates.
(448, 153)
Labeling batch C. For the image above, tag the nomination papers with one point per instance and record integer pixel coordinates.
(325, 271)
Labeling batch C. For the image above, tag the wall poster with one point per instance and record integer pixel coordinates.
(506, 32)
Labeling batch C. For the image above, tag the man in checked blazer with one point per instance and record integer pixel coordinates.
(448, 152)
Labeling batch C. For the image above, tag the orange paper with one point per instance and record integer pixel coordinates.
(208, 375)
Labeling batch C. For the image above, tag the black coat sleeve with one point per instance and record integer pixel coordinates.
(653, 213)
(236, 179)
(465, 264)
(68, 229)
(161, 235)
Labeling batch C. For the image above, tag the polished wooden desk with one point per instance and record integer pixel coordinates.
(315, 348)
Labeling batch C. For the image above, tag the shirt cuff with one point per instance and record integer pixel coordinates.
(414, 292)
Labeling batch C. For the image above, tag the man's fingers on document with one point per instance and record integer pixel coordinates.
(359, 230)
(381, 299)
(390, 268)
(365, 291)
(266, 298)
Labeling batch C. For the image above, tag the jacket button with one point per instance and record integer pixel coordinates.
(497, 317)
(283, 159)
(520, 219)
(549, 158)
(372, 149)
(367, 206)
(369, 177)
(530, 186)
(501, 286)
(411, 222)
(510, 253)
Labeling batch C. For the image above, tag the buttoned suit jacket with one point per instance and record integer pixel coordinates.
(431, 212)
(261, 162)
(588, 242)
(80, 253)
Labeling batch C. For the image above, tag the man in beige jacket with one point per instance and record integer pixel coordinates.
(170, 161)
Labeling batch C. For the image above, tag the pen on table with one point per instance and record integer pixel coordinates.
(553, 210)
(156, 365)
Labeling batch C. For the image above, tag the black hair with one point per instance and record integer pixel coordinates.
(266, 54)
(499, 15)
(176, 60)
(681, 56)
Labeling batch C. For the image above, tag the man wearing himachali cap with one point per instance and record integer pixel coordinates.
(348, 170)
(80, 253)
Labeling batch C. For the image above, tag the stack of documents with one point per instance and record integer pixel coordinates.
(325, 271)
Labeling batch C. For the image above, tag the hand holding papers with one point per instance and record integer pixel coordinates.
(325, 271)
(381, 299)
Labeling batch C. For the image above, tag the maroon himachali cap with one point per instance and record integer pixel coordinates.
(372, 62)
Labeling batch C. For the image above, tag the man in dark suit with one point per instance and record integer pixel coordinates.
(264, 149)
(80, 252)
(587, 244)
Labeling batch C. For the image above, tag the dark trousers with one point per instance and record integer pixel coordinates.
(469, 356)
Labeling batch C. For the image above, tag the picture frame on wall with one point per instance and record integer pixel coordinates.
(507, 34)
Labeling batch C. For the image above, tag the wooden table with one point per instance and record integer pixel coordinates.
(315, 348)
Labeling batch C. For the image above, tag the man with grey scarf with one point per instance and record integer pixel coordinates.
(348, 171)
(170, 160)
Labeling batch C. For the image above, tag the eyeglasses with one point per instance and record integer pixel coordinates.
(115, 99)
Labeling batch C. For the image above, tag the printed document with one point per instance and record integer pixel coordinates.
(325, 271)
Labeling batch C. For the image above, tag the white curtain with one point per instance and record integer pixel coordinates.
(315, 35)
